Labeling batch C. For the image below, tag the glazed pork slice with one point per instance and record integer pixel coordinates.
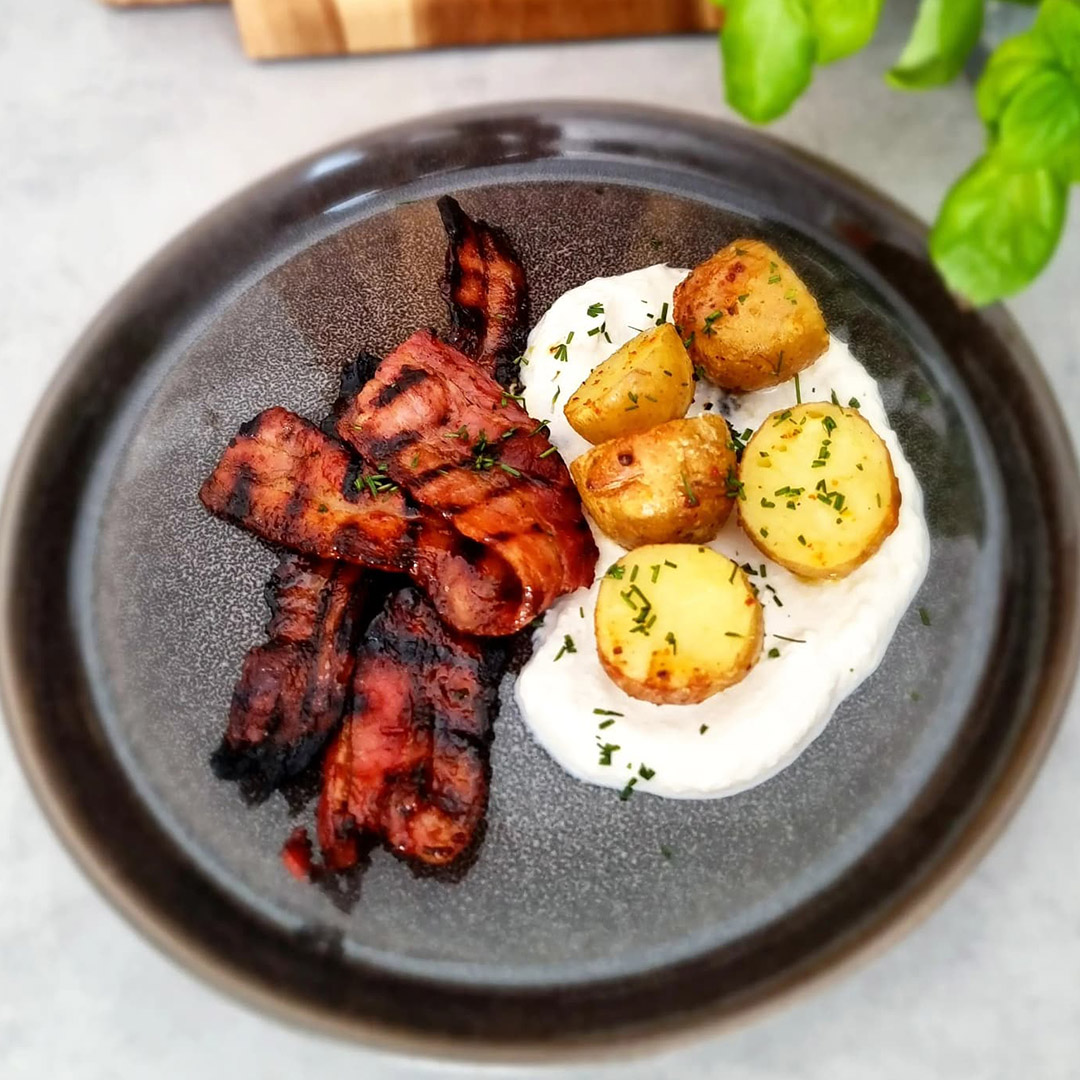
(285, 480)
(288, 482)
(461, 445)
(292, 689)
(486, 292)
(409, 766)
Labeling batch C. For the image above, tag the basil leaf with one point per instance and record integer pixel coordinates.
(1013, 61)
(1058, 23)
(768, 51)
(1041, 123)
(997, 229)
(945, 32)
(843, 27)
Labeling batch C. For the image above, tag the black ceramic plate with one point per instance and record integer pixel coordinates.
(126, 609)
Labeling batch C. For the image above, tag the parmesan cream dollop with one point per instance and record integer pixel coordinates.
(830, 635)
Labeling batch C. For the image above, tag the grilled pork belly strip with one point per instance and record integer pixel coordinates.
(291, 484)
(293, 689)
(409, 765)
(286, 481)
(461, 445)
(485, 291)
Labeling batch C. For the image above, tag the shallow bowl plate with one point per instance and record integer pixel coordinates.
(586, 923)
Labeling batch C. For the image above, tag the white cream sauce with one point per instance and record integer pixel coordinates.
(757, 727)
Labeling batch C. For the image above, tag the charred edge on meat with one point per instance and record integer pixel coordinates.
(491, 333)
(294, 688)
(355, 375)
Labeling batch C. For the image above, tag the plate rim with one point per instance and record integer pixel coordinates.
(881, 929)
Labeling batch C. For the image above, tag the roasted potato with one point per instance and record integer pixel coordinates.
(819, 491)
(670, 484)
(749, 320)
(676, 623)
(649, 380)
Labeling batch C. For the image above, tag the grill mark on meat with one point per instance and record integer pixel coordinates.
(485, 291)
(238, 503)
(407, 378)
(503, 490)
(299, 492)
(382, 449)
(409, 766)
(286, 481)
(293, 688)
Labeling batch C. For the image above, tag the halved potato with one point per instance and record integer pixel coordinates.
(671, 483)
(749, 320)
(820, 494)
(677, 623)
(649, 380)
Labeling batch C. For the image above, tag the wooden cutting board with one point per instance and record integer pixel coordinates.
(272, 29)
(159, 3)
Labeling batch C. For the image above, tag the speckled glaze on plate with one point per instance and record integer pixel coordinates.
(126, 609)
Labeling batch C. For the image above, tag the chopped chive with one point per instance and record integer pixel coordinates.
(606, 751)
(509, 469)
(604, 723)
(615, 571)
(853, 403)
(798, 390)
(835, 399)
(774, 652)
(568, 646)
(703, 729)
(606, 712)
(645, 772)
(731, 633)
(734, 571)
(925, 616)
(670, 639)
(691, 497)
(793, 640)
(801, 539)
(549, 451)
(666, 851)
(594, 310)
(663, 315)
(628, 790)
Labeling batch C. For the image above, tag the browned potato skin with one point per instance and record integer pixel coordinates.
(636, 487)
(765, 339)
(652, 370)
